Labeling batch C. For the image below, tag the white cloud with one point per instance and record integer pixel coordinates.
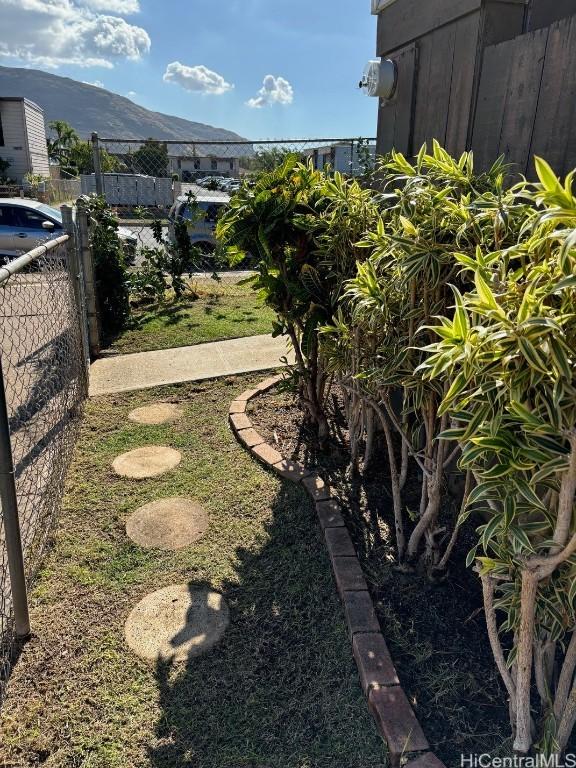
(131, 94)
(54, 32)
(121, 7)
(95, 83)
(198, 79)
(275, 90)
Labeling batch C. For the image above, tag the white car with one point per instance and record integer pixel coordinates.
(200, 217)
(26, 224)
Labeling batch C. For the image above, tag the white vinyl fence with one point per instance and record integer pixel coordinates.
(131, 189)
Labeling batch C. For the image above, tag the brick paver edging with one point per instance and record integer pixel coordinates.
(387, 701)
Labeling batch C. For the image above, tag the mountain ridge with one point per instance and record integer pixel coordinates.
(91, 108)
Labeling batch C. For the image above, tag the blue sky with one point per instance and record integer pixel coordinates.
(207, 61)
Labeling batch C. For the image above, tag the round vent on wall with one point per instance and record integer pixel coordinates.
(379, 79)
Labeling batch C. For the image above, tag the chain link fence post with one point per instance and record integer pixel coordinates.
(77, 280)
(97, 166)
(87, 264)
(11, 521)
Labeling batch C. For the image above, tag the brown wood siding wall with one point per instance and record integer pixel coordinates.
(470, 75)
(462, 85)
(434, 90)
(450, 34)
(445, 84)
(407, 20)
(395, 116)
(502, 20)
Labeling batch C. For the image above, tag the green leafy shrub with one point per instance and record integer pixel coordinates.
(509, 353)
(79, 159)
(445, 306)
(300, 226)
(165, 266)
(34, 180)
(110, 272)
(428, 208)
(148, 282)
(150, 158)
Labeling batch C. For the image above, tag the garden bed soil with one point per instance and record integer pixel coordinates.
(436, 632)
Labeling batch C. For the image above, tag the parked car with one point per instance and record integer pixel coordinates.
(232, 186)
(200, 216)
(26, 224)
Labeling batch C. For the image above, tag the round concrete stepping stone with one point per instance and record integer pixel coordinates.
(149, 461)
(177, 623)
(167, 524)
(155, 413)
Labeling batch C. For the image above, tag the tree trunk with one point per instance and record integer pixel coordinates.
(523, 740)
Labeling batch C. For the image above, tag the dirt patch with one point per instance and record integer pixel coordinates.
(436, 632)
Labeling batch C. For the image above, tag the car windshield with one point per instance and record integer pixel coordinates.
(53, 213)
(194, 213)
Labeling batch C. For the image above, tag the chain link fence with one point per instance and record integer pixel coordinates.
(151, 181)
(43, 383)
(53, 191)
(49, 320)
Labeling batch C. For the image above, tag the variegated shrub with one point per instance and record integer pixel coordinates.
(429, 208)
(509, 355)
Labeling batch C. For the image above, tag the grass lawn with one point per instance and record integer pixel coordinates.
(224, 310)
(279, 691)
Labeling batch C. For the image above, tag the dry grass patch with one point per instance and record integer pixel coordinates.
(279, 691)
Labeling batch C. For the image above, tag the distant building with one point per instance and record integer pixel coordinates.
(189, 168)
(344, 157)
(23, 138)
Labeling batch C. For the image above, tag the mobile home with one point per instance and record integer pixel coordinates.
(23, 138)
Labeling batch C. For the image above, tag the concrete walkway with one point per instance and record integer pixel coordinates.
(143, 370)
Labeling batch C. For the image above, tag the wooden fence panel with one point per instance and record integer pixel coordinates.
(491, 104)
(524, 80)
(554, 131)
(526, 100)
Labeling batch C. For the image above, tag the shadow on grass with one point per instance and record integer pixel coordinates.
(173, 314)
(280, 690)
(436, 632)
